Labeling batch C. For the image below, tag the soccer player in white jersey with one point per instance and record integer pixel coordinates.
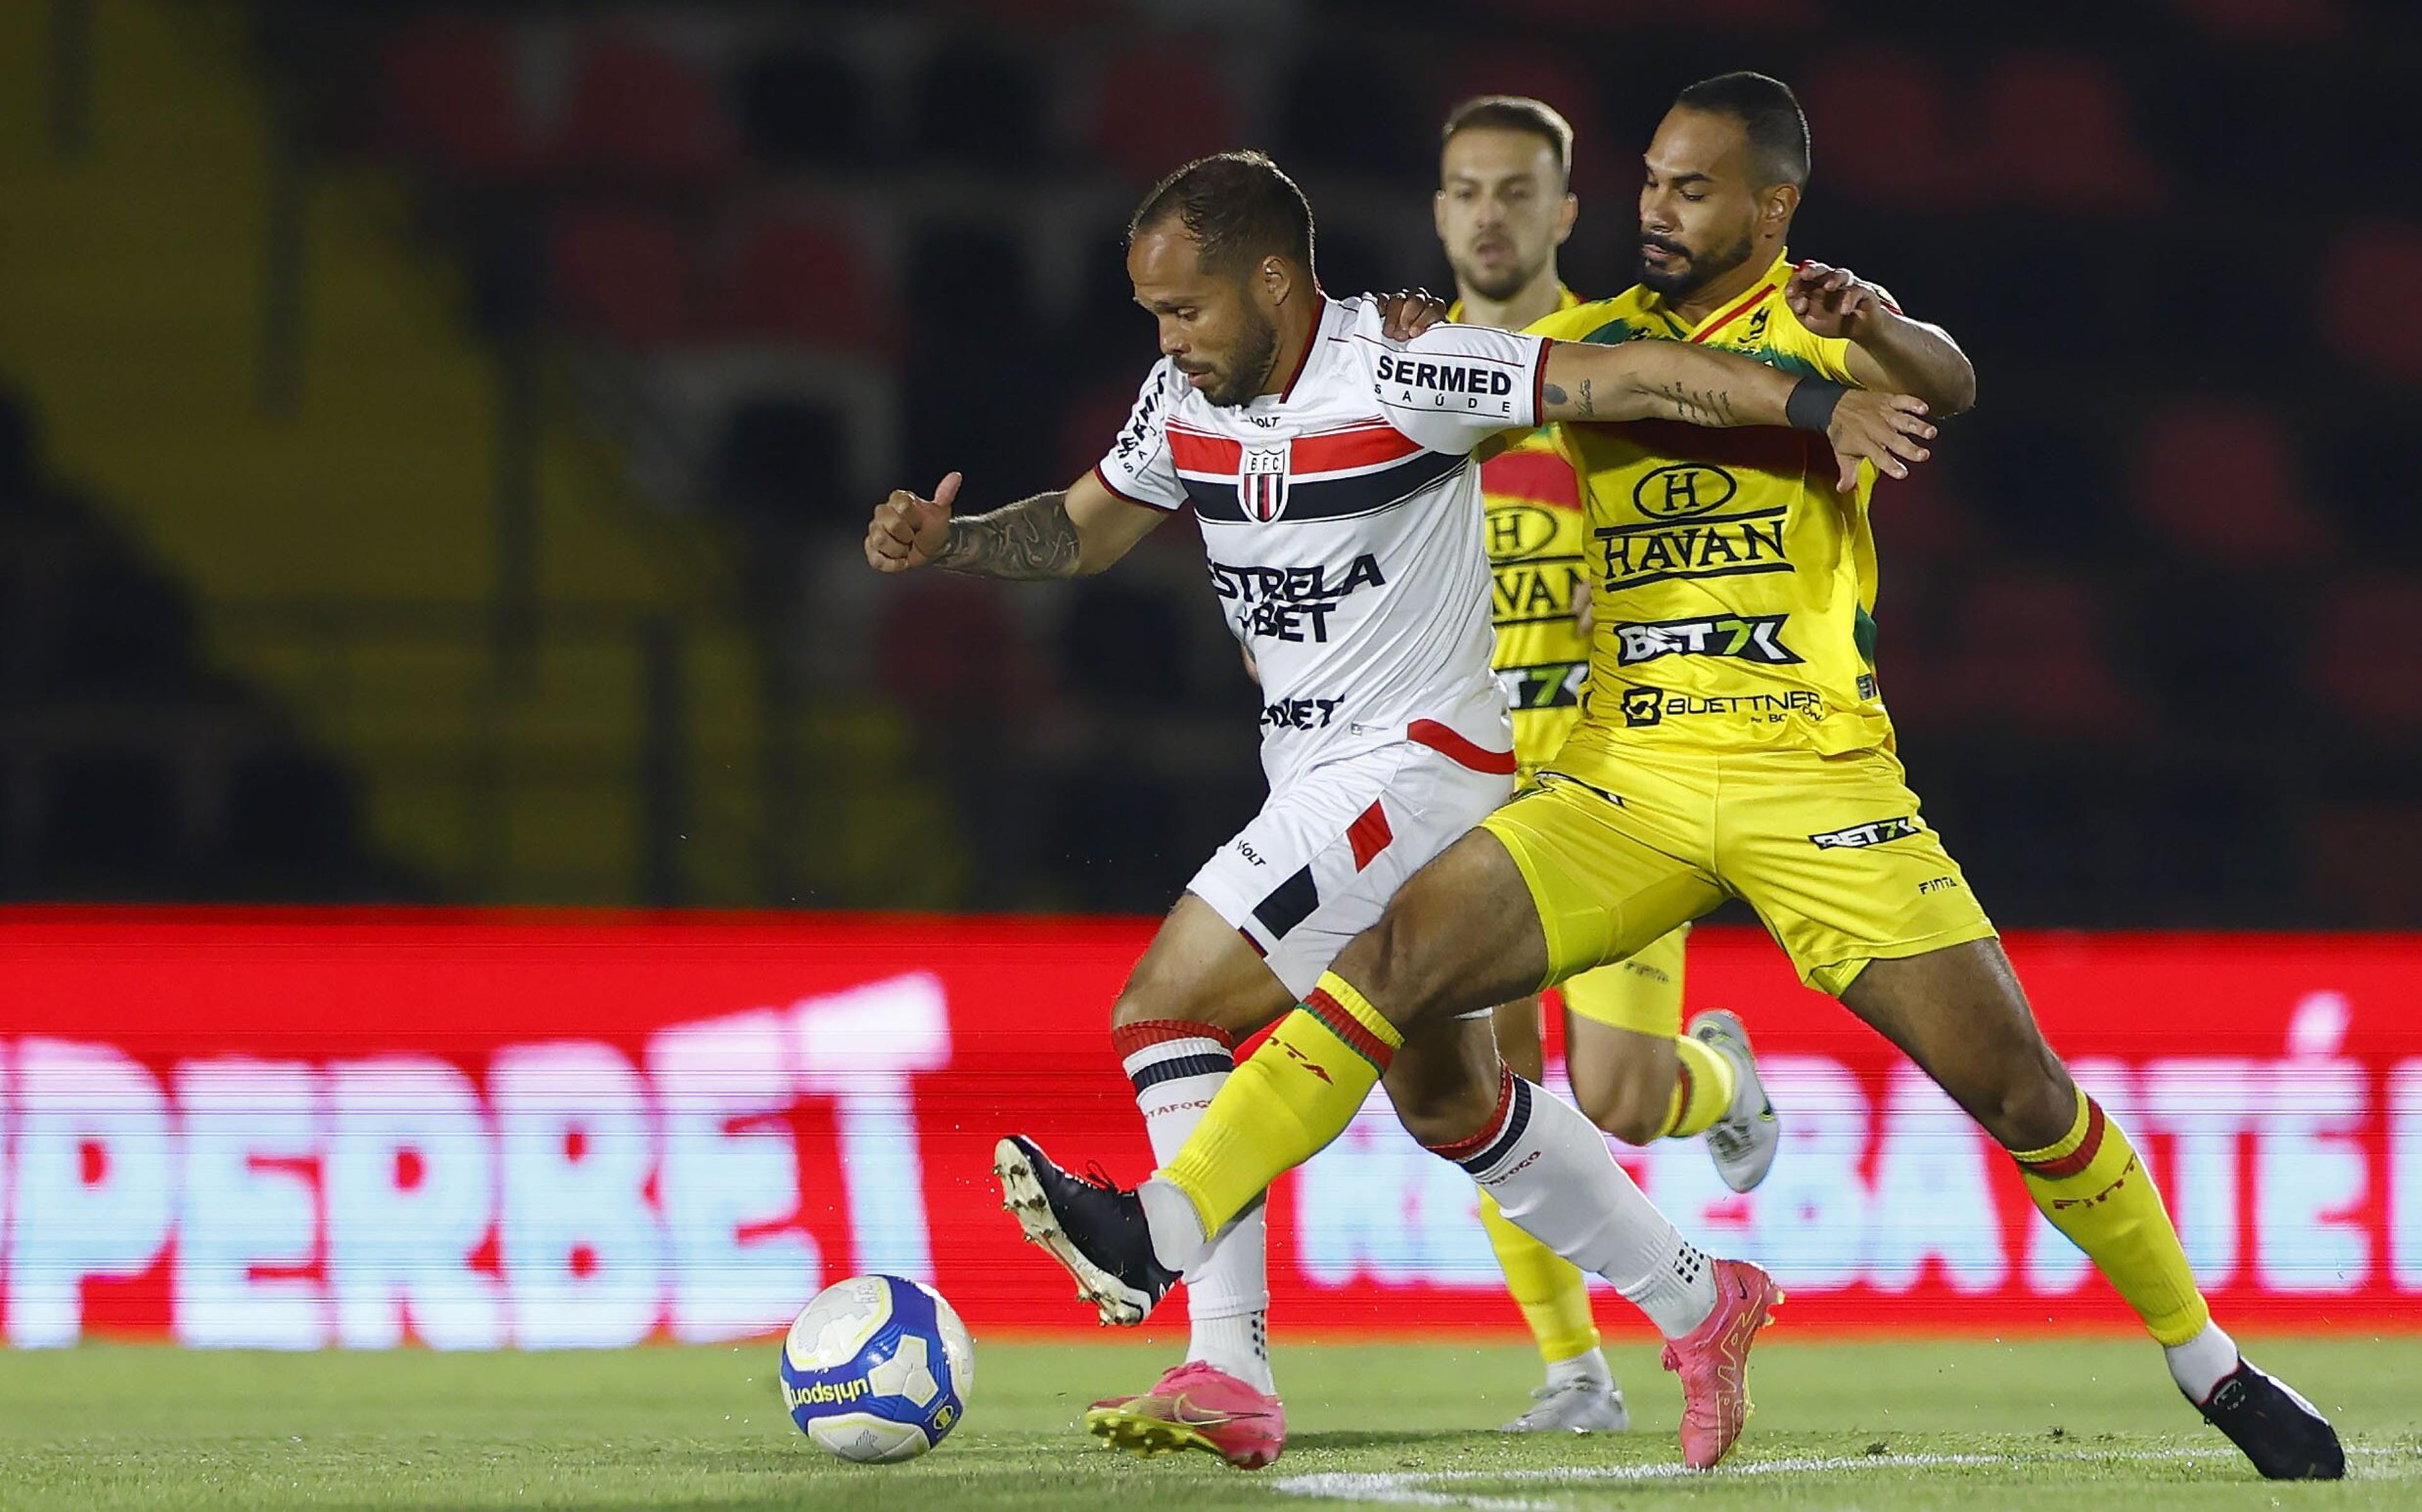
(1328, 469)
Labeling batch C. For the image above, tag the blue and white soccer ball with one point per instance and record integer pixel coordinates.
(877, 1369)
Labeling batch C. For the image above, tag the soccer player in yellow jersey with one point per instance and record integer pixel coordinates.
(1733, 742)
(1504, 207)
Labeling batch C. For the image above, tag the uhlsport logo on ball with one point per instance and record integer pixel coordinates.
(877, 1369)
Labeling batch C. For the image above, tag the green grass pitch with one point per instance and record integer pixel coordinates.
(1875, 1427)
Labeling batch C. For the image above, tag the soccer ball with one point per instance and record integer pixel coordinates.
(877, 1369)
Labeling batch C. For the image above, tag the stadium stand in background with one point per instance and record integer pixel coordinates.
(608, 325)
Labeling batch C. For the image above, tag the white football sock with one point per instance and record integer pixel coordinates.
(1176, 1068)
(1549, 1170)
(1589, 1366)
(1178, 1242)
(2198, 1364)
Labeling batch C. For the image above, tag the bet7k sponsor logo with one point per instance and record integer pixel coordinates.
(1875, 831)
(1741, 637)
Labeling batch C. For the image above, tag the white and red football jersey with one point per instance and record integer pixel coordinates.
(1343, 521)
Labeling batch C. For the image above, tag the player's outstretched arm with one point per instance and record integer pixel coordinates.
(1073, 533)
(1888, 349)
(1702, 386)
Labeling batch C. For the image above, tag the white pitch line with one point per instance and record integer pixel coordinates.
(1415, 1488)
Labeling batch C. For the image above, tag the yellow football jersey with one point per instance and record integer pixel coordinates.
(1734, 589)
(1535, 534)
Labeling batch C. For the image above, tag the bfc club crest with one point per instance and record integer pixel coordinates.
(1262, 481)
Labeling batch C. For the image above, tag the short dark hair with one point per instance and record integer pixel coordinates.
(1768, 111)
(1239, 208)
(1514, 113)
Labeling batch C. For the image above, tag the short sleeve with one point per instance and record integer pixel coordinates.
(1831, 355)
(1828, 355)
(1453, 387)
(1137, 466)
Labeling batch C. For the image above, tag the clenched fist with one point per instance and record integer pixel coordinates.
(908, 531)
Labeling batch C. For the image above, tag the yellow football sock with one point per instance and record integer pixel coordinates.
(1703, 1089)
(1549, 1289)
(2095, 1189)
(1285, 1103)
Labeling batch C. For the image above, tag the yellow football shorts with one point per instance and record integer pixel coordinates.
(1641, 992)
(1829, 849)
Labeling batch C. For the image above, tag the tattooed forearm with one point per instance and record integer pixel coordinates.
(1699, 407)
(1029, 539)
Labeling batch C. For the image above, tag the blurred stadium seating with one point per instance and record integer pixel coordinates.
(2148, 629)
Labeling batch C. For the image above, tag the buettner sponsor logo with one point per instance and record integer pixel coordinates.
(468, 1134)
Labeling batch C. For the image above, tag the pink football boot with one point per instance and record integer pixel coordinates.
(1713, 1361)
(1195, 1405)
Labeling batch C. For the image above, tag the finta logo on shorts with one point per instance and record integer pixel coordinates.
(1859, 837)
(1444, 385)
(1757, 638)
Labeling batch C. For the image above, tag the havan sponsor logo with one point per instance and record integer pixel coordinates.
(1683, 489)
(1632, 556)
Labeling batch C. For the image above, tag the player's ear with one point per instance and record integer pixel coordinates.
(1567, 213)
(1781, 203)
(1276, 280)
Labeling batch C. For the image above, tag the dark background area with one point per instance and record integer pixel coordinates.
(2151, 622)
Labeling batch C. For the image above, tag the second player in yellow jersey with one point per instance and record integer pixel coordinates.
(1503, 209)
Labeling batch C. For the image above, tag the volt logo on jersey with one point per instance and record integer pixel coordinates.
(1261, 480)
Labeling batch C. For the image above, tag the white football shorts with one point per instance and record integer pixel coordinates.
(1317, 865)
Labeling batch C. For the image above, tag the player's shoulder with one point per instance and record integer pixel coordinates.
(1606, 321)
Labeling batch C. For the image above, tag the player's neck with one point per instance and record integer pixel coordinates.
(1722, 292)
(1295, 344)
(1534, 301)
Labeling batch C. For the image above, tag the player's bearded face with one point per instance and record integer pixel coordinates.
(1698, 207)
(1215, 326)
(1239, 374)
(1671, 267)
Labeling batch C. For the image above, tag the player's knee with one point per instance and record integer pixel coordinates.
(1145, 999)
(1630, 1118)
(1385, 964)
(2034, 1106)
(1435, 1115)
(1625, 1096)
(1632, 1109)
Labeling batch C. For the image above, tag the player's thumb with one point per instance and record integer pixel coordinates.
(946, 490)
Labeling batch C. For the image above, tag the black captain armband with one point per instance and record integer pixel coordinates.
(1812, 402)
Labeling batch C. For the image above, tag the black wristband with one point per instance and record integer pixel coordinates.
(1812, 402)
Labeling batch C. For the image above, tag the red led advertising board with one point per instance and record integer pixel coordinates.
(308, 1129)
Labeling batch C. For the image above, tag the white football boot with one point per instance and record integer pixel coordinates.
(1744, 1140)
(1574, 1406)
